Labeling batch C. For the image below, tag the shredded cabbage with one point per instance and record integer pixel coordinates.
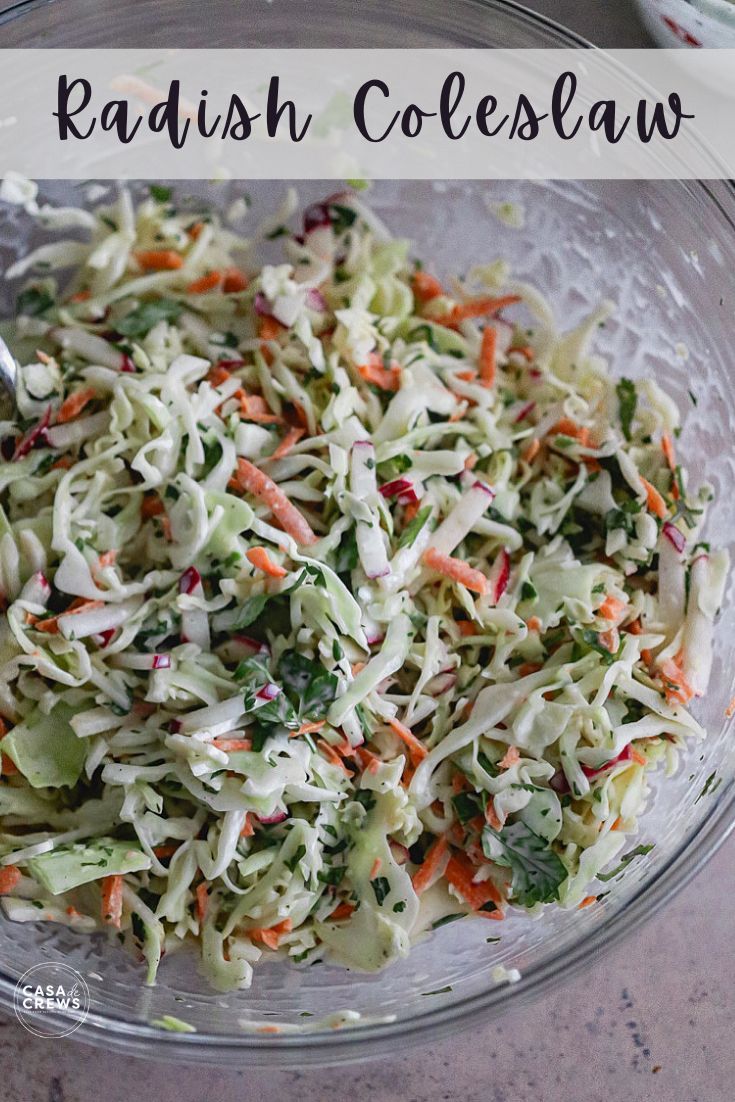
(332, 598)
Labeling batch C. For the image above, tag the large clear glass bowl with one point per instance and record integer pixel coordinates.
(665, 252)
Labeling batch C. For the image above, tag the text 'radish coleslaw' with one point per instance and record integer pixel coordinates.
(337, 602)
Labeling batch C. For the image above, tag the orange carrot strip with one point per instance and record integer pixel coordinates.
(234, 281)
(261, 560)
(9, 878)
(107, 558)
(271, 935)
(667, 447)
(455, 569)
(269, 329)
(531, 450)
(166, 851)
(654, 500)
(202, 900)
(527, 668)
(460, 872)
(80, 296)
(475, 308)
(195, 230)
(218, 375)
(511, 757)
(730, 710)
(292, 437)
(567, 427)
(634, 628)
(229, 744)
(112, 900)
(207, 282)
(533, 623)
(159, 260)
(676, 687)
(248, 830)
(331, 754)
(491, 815)
(310, 728)
(426, 287)
(249, 479)
(342, 910)
(72, 406)
(612, 608)
(467, 628)
(487, 356)
(254, 407)
(385, 378)
(51, 625)
(618, 823)
(62, 464)
(375, 868)
(587, 902)
(430, 867)
(637, 757)
(416, 750)
(151, 506)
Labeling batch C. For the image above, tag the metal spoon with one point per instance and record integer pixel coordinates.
(8, 380)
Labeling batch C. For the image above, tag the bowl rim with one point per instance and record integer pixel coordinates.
(325, 1047)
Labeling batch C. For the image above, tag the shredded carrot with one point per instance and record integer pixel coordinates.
(248, 830)
(202, 900)
(51, 625)
(528, 668)
(610, 639)
(218, 375)
(261, 560)
(367, 759)
(587, 902)
(647, 656)
(410, 511)
(269, 329)
(112, 900)
(456, 569)
(533, 623)
(667, 447)
(268, 1028)
(637, 757)
(166, 851)
(491, 815)
(62, 464)
(310, 728)
(470, 462)
(234, 281)
(331, 754)
(8, 768)
(385, 378)
(524, 350)
(208, 282)
(72, 406)
(271, 935)
(467, 628)
(475, 308)
(654, 500)
(511, 757)
(487, 356)
(375, 868)
(618, 823)
(466, 376)
(531, 450)
(676, 686)
(567, 427)
(195, 230)
(9, 878)
(80, 296)
(230, 744)
(730, 710)
(151, 506)
(159, 260)
(460, 874)
(342, 910)
(292, 437)
(3, 727)
(416, 750)
(426, 287)
(430, 867)
(634, 628)
(612, 608)
(249, 479)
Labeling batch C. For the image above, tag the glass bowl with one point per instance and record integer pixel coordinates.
(665, 253)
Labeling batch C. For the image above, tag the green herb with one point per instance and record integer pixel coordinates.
(399, 907)
(408, 538)
(528, 591)
(466, 806)
(709, 786)
(159, 193)
(310, 687)
(538, 872)
(446, 920)
(250, 610)
(624, 862)
(139, 322)
(381, 887)
(346, 557)
(34, 301)
(627, 402)
(292, 862)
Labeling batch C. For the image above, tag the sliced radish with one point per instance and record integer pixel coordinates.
(401, 488)
(463, 517)
(32, 437)
(268, 692)
(37, 590)
(674, 536)
(524, 412)
(194, 621)
(273, 818)
(499, 576)
(130, 660)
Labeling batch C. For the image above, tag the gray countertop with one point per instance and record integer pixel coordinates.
(650, 1021)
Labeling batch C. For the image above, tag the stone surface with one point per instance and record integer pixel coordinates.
(648, 1023)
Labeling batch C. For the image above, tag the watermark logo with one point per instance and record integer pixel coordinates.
(51, 1000)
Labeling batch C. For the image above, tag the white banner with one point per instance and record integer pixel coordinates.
(402, 114)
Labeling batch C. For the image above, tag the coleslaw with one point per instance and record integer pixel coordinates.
(338, 602)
